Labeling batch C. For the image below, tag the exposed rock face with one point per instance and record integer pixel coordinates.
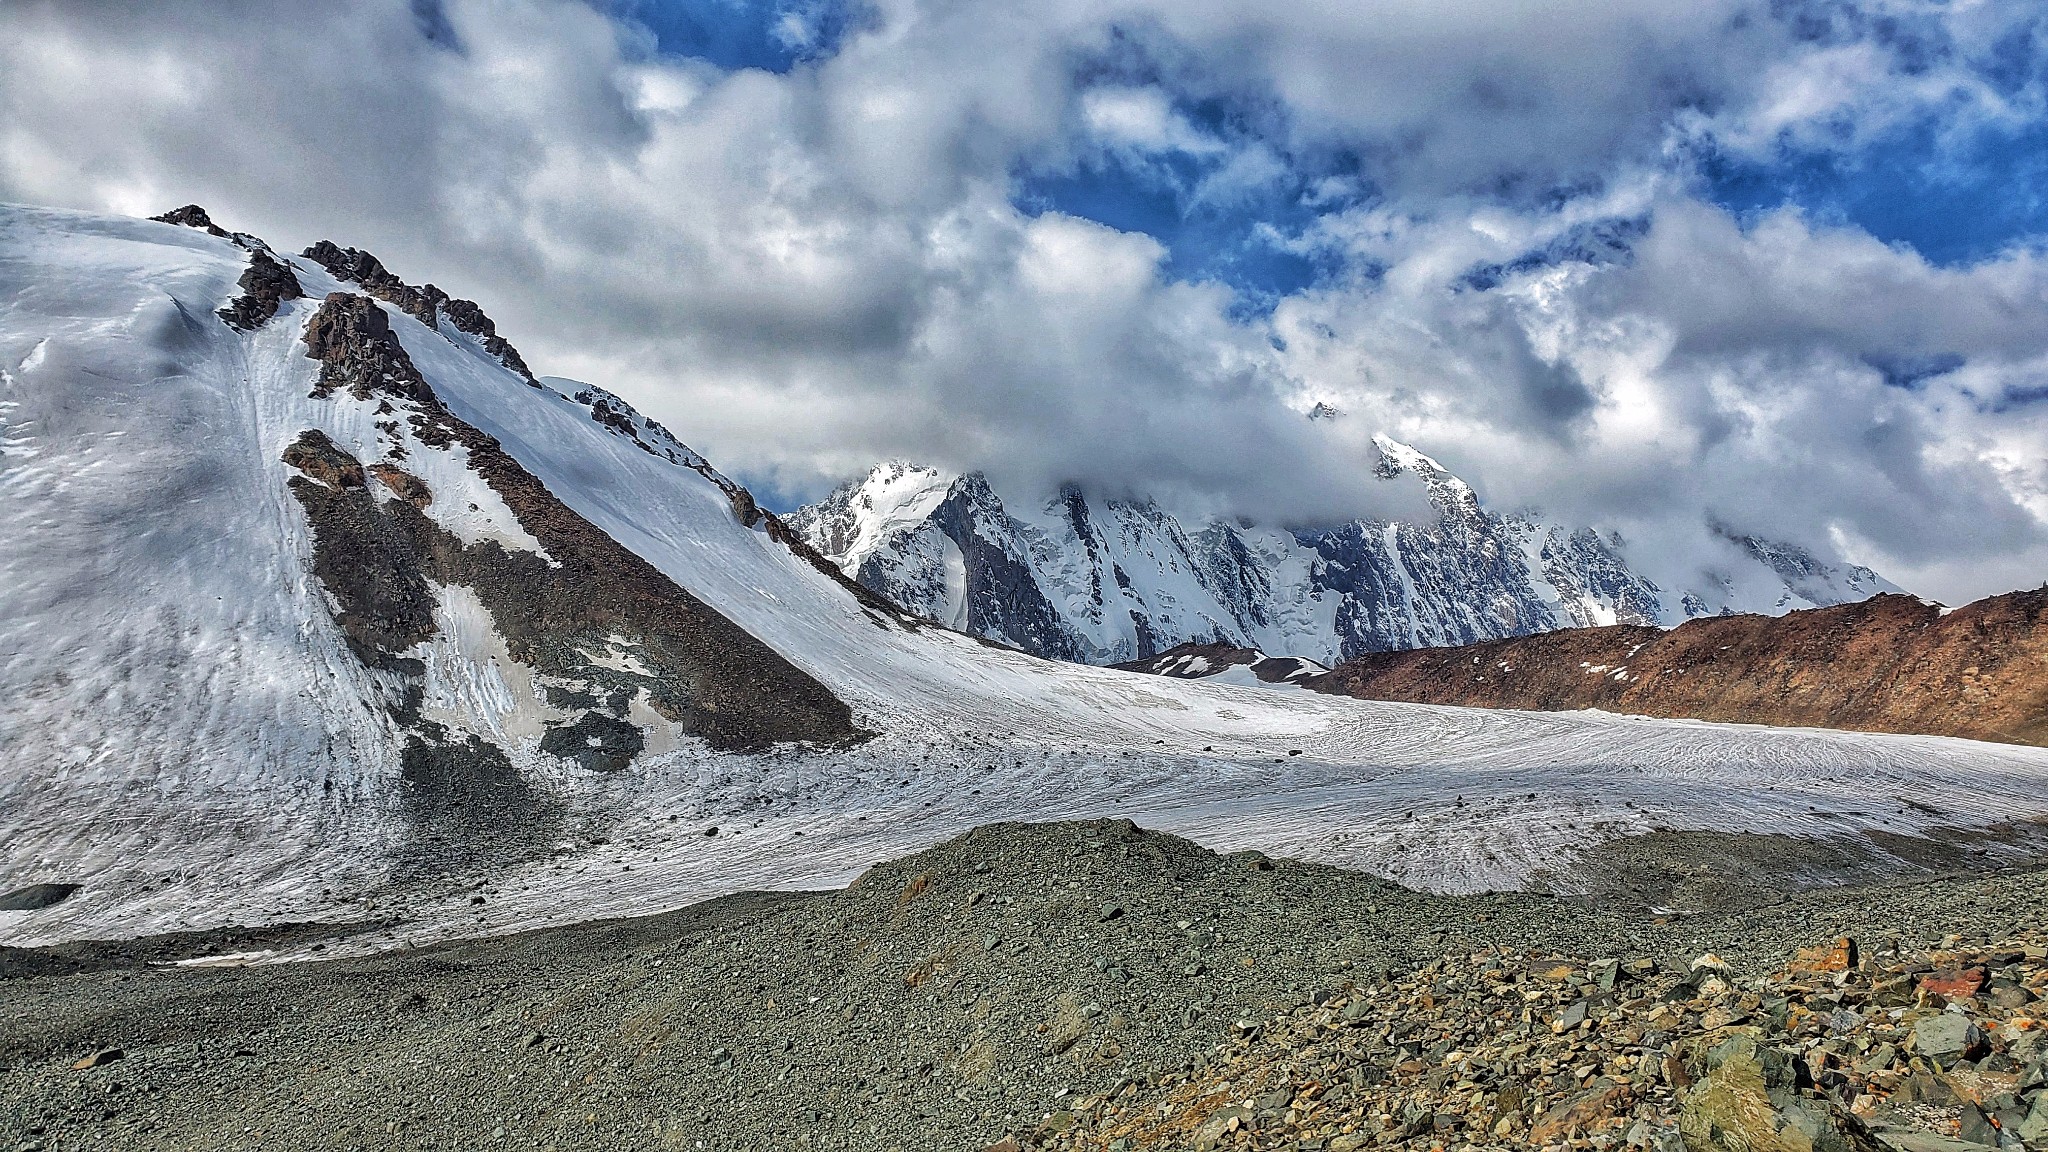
(1104, 581)
(426, 303)
(586, 594)
(351, 337)
(1887, 664)
(265, 285)
(192, 216)
(37, 896)
(1196, 661)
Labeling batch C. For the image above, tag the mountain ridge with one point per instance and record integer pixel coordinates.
(545, 723)
(1887, 664)
(1080, 578)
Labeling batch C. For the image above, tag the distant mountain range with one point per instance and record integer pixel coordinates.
(1071, 576)
(1886, 664)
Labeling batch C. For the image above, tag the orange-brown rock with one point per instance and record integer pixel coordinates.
(1953, 983)
(1888, 664)
(403, 484)
(1837, 957)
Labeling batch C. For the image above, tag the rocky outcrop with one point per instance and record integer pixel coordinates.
(265, 286)
(425, 303)
(587, 594)
(1887, 664)
(1197, 661)
(192, 216)
(351, 337)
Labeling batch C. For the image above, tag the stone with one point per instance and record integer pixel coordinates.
(1591, 1109)
(1837, 957)
(2034, 1130)
(99, 1059)
(1604, 973)
(1746, 1103)
(1974, 1127)
(1953, 983)
(1221, 1123)
(1947, 1037)
(2007, 995)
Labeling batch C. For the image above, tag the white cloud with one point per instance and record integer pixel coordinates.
(805, 272)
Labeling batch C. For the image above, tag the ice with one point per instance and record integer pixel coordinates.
(184, 731)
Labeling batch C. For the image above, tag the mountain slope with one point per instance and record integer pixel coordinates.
(292, 631)
(1887, 664)
(1103, 582)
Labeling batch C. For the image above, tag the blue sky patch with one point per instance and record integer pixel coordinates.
(1217, 225)
(734, 34)
(1954, 199)
(1913, 372)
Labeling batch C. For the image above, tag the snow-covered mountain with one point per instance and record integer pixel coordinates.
(316, 603)
(1103, 581)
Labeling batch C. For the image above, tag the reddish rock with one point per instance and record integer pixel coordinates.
(1837, 957)
(1887, 664)
(1953, 983)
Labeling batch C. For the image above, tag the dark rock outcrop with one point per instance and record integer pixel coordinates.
(192, 216)
(597, 741)
(1887, 664)
(585, 596)
(37, 896)
(351, 337)
(265, 285)
(1194, 661)
(425, 303)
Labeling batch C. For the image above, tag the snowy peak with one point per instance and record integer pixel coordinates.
(1805, 577)
(859, 517)
(1070, 576)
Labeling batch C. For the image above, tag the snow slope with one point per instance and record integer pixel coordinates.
(185, 729)
(1103, 582)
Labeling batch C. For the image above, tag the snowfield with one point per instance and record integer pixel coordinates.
(183, 730)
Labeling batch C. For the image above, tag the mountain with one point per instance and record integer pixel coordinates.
(1072, 577)
(319, 606)
(1886, 664)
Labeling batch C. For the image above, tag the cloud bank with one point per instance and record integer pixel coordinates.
(1635, 262)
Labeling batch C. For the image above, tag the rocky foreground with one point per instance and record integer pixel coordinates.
(1081, 985)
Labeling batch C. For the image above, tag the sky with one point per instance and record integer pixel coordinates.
(1778, 265)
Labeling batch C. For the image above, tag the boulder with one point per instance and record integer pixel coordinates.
(1947, 1037)
(1748, 1101)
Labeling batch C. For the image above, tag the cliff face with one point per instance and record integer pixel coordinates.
(1072, 576)
(1887, 664)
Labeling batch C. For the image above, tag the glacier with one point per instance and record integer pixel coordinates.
(186, 731)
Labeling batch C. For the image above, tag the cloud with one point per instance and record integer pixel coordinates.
(829, 246)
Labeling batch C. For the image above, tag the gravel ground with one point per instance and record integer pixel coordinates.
(942, 1002)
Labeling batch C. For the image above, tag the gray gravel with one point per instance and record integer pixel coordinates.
(941, 1002)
